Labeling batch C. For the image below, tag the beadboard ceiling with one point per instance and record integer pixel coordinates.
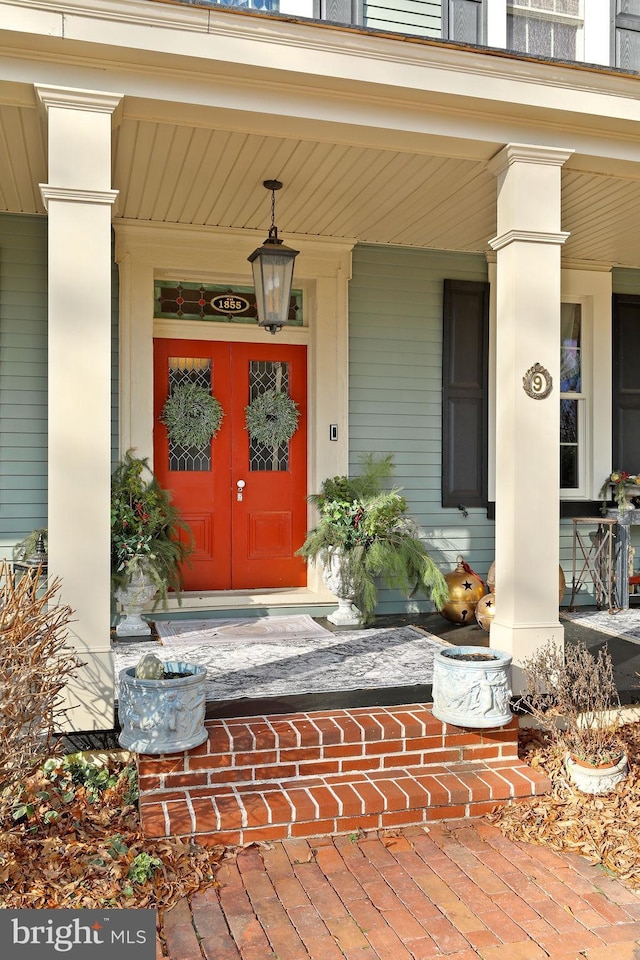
(177, 173)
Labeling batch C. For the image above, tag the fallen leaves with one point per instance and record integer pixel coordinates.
(604, 829)
(75, 847)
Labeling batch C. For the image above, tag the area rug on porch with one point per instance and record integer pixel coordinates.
(267, 629)
(624, 623)
(256, 667)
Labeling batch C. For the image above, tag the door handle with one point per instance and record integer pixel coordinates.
(240, 485)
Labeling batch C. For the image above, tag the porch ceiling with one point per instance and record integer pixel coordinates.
(209, 175)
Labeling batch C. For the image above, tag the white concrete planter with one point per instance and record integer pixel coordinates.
(163, 716)
(591, 779)
(472, 692)
(134, 599)
(347, 614)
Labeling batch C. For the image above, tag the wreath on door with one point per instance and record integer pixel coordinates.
(272, 418)
(192, 415)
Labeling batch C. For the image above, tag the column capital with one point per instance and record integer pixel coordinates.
(76, 194)
(528, 236)
(70, 98)
(527, 153)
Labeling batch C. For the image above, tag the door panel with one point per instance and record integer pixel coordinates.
(269, 523)
(249, 540)
(198, 480)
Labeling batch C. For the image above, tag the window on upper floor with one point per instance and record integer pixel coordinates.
(626, 35)
(546, 28)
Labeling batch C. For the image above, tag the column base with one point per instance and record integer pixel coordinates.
(522, 642)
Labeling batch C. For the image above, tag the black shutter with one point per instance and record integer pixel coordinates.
(626, 34)
(626, 383)
(463, 21)
(465, 351)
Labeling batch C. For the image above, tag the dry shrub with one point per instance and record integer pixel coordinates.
(35, 666)
(572, 695)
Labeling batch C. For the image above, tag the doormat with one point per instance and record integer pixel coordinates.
(624, 624)
(258, 667)
(267, 629)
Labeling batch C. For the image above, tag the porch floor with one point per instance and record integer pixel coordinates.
(625, 655)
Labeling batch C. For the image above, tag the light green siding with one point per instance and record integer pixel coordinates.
(395, 392)
(421, 18)
(625, 281)
(23, 376)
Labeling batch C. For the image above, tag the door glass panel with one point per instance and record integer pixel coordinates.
(189, 370)
(268, 375)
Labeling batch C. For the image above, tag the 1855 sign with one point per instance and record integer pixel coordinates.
(229, 304)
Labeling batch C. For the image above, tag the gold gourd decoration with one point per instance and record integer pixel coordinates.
(486, 610)
(465, 590)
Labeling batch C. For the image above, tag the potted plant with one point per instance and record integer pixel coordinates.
(571, 694)
(363, 533)
(472, 686)
(149, 542)
(625, 488)
(162, 706)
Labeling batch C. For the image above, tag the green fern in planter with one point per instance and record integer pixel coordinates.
(145, 528)
(375, 537)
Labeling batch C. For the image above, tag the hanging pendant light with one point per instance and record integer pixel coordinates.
(272, 266)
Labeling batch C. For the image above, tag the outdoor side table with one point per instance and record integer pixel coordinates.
(594, 555)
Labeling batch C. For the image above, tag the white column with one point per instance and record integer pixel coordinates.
(527, 426)
(78, 199)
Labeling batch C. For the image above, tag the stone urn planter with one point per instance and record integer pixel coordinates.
(134, 598)
(472, 686)
(347, 614)
(596, 779)
(164, 715)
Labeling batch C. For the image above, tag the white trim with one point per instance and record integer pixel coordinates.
(527, 236)
(76, 195)
(72, 99)
(527, 153)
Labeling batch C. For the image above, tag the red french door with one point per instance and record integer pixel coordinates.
(245, 503)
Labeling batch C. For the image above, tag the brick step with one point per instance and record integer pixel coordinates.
(260, 749)
(315, 806)
(399, 766)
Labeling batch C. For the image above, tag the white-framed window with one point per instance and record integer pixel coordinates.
(573, 401)
(546, 28)
(590, 291)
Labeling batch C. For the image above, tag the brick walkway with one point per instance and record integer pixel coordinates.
(458, 890)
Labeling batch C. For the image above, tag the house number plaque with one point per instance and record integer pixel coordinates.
(537, 382)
